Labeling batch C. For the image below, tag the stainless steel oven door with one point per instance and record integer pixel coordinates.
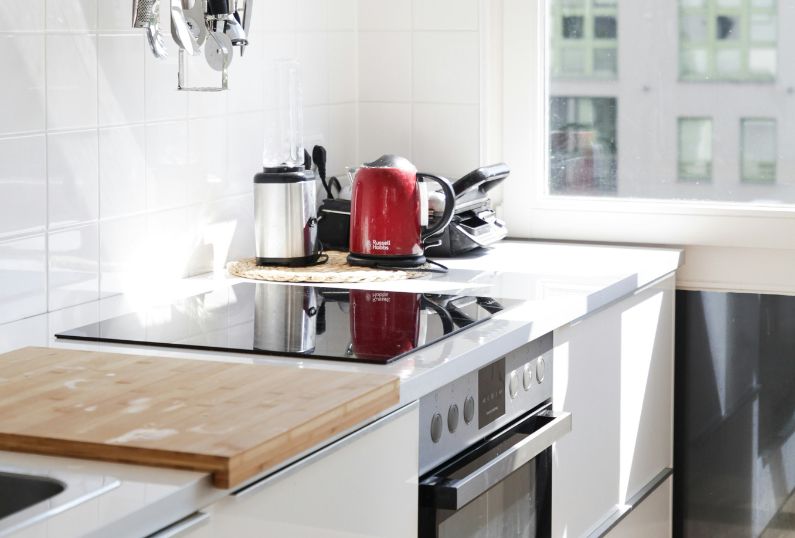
(499, 488)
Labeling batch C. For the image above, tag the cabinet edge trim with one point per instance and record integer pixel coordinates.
(624, 510)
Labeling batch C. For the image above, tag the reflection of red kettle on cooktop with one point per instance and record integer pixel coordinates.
(387, 323)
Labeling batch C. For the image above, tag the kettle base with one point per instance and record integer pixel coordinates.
(387, 262)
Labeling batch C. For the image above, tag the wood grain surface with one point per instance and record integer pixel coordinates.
(232, 420)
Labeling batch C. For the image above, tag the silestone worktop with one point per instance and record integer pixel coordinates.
(557, 284)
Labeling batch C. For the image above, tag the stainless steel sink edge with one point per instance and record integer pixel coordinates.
(79, 488)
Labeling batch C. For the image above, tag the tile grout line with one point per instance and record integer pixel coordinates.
(99, 158)
(46, 174)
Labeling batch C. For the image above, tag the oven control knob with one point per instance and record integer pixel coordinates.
(452, 418)
(513, 385)
(540, 368)
(469, 409)
(436, 427)
(527, 376)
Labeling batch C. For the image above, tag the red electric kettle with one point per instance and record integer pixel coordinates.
(389, 209)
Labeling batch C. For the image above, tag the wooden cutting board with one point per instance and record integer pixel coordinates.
(232, 420)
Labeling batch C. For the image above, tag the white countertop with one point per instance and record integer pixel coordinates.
(557, 284)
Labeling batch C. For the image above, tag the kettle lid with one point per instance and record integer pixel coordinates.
(391, 161)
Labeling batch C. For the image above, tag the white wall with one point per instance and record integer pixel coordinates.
(420, 83)
(108, 175)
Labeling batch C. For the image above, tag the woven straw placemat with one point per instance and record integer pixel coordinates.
(335, 271)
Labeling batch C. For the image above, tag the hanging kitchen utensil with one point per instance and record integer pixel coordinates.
(146, 14)
(218, 51)
(180, 30)
(192, 23)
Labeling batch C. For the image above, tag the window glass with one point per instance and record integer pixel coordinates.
(682, 99)
(695, 149)
(583, 38)
(759, 150)
(583, 145)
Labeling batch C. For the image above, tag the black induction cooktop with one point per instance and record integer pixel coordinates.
(299, 321)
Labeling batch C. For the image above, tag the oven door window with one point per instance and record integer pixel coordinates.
(508, 509)
(500, 488)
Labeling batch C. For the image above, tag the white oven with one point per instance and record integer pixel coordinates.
(486, 447)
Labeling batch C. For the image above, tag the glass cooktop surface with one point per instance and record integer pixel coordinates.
(300, 321)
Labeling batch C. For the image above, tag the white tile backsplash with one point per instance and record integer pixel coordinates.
(110, 176)
(122, 255)
(73, 177)
(384, 15)
(23, 278)
(343, 80)
(312, 53)
(122, 170)
(73, 256)
(71, 81)
(30, 19)
(207, 159)
(244, 138)
(343, 16)
(384, 128)
(446, 14)
(23, 186)
(115, 16)
(446, 138)
(446, 67)
(162, 100)
(72, 14)
(22, 90)
(121, 79)
(419, 82)
(167, 164)
(385, 69)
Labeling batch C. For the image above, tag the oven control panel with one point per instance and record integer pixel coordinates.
(468, 409)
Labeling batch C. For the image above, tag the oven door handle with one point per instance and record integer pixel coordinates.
(454, 494)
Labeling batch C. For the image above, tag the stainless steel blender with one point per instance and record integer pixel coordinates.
(285, 205)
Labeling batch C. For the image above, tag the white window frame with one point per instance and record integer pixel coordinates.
(514, 116)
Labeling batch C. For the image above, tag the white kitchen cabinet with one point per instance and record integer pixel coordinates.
(651, 519)
(363, 485)
(614, 374)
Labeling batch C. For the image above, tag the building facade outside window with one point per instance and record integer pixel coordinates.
(584, 38)
(695, 149)
(693, 110)
(728, 40)
(583, 145)
(759, 150)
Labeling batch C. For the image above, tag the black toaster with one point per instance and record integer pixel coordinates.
(474, 224)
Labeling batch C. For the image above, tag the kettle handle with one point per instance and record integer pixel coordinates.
(449, 205)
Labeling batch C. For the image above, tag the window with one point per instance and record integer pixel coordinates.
(720, 178)
(727, 40)
(758, 150)
(695, 149)
(584, 38)
(648, 132)
(583, 145)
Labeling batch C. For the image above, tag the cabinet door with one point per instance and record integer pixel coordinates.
(614, 373)
(364, 485)
(650, 519)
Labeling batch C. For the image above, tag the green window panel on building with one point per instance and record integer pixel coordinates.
(734, 40)
(758, 150)
(584, 38)
(695, 149)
